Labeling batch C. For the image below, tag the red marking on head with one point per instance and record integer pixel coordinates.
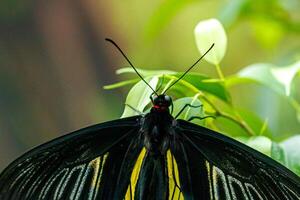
(159, 108)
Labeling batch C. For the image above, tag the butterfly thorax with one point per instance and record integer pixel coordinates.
(157, 126)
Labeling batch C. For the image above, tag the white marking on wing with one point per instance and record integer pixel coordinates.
(250, 186)
(219, 175)
(232, 180)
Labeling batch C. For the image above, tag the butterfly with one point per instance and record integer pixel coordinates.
(153, 156)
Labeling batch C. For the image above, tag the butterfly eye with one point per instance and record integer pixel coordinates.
(153, 98)
(168, 100)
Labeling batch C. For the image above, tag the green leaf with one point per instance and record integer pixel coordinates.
(257, 73)
(189, 112)
(257, 124)
(144, 72)
(285, 75)
(260, 143)
(199, 81)
(206, 84)
(292, 153)
(278, 79)
(278, 153)
(286, 152)
(120, 84)
(208, 32)
(139, 97)
(254, 122)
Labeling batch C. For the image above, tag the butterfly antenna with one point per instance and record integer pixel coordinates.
(191, 67)
(111, 41)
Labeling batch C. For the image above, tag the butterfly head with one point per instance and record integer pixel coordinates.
(161, 102)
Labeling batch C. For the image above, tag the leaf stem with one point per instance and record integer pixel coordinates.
(192, 103)
(168, 84)
(220, 73)
(238, 120)
(218, 112)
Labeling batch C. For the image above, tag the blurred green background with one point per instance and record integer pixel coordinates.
(54, 60)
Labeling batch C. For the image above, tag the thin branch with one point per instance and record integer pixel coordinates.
(237, 120)
(218, 112)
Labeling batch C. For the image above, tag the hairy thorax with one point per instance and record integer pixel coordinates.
(158, 131)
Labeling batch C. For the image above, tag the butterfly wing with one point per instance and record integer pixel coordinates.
(213, 166)
(92, 163)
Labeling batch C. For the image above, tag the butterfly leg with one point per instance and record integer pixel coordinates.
(185, 106)
(172, 108)
(134, 109)
(200, 118)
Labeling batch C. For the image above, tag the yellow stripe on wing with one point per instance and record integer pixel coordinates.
(174, 183)
(96, 166)
(135, 175)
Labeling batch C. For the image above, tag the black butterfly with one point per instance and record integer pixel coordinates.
(152, 156)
